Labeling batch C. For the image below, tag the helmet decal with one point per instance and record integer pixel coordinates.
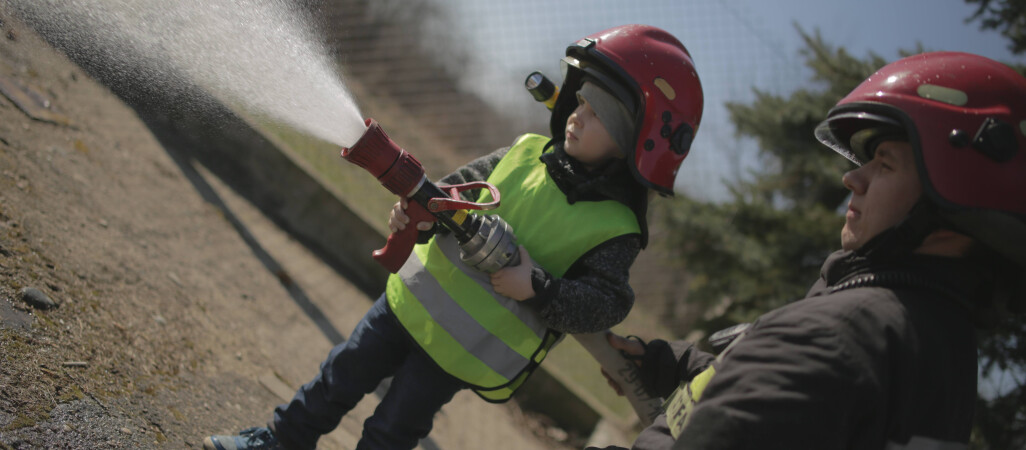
(942, 94)
(665, 88)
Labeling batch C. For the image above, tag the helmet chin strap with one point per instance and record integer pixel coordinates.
(905, 237)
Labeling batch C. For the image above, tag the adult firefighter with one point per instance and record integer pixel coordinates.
(882, 351)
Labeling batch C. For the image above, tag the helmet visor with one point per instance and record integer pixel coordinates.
(570, 64)
(567, 63)
(838, 130)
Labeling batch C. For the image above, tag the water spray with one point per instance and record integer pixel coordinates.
(256, 56)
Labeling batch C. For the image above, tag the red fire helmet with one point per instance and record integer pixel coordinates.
(965, 117)
(652, 74)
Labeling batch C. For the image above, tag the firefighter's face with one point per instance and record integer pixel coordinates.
(883, 192)
(587, 139)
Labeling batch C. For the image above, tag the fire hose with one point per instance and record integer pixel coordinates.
(486, 242)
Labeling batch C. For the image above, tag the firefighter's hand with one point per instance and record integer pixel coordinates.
(515, 282)
(398, 219)
(624, 345)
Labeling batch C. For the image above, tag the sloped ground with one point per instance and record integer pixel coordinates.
(175, 296)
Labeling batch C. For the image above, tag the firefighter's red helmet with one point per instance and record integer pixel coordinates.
(965, 117)
(653, 75)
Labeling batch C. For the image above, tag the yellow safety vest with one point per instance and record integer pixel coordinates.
(487, 340)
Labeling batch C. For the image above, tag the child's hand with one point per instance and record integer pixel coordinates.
(515, 281)
(398, 219)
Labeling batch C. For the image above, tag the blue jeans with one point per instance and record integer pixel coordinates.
(377, 349)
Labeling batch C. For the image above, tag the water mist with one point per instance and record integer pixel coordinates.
(254, 54)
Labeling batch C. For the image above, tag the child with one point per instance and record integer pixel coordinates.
(622, 124)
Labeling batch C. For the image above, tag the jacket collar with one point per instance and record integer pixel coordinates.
(613, 181)
(957, 278)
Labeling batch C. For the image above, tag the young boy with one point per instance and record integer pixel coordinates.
(622, 124)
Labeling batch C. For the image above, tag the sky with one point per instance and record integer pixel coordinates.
(736, 45)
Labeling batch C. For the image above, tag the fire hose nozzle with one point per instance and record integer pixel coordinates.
(404, 176)
(394, 167)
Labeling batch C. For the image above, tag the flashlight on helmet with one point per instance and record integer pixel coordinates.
(542, 89)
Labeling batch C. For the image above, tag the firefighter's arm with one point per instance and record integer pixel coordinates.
(788, 384)
(662, 365)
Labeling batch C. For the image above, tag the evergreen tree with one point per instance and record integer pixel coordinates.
(764, 247)
(1006, 16)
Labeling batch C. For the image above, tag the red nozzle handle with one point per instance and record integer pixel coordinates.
(453, 202)
(395, 252)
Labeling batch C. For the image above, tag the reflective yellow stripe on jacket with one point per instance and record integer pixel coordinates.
(485, 339)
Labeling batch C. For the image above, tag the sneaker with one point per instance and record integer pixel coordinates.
(256, 438)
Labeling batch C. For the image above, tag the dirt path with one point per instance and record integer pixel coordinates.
(176, 297)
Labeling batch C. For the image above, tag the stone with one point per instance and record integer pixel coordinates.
(37, 299)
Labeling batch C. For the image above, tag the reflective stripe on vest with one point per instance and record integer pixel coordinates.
(485, 339)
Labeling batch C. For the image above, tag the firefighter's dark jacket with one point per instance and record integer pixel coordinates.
(876, 356)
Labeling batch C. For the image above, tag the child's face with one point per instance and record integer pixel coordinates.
(587, 139)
